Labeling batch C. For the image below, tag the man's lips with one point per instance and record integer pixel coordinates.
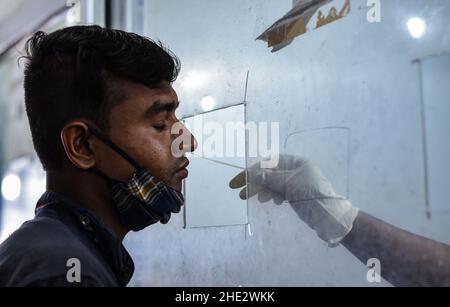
(182, 172)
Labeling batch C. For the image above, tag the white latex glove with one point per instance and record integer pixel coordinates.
(310, 194)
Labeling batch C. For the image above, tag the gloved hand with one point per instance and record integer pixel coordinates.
(310, 194)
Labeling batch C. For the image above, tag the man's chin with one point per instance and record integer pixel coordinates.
(177, 184)
(179, 188)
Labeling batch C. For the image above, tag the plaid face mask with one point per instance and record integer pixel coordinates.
(143, 200)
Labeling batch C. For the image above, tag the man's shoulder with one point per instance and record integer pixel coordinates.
(44, 249)
(47, 235)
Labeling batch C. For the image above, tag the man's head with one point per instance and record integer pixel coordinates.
(86, 77)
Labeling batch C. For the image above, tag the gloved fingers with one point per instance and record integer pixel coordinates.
(249, 191)
(264, 196)
(285, 162)
(253, 177)
(273, 181)
(277, 180)
(238, 181)
(243, 194)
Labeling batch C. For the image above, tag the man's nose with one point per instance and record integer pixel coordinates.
(192, 145)
(189, 142)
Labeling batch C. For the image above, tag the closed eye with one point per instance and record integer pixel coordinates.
(160, 128)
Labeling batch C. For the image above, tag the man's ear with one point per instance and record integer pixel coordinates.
(75, 137)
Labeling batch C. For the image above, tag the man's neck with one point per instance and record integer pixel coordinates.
(90, 192)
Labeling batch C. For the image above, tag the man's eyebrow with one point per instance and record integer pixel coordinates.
(159, 107)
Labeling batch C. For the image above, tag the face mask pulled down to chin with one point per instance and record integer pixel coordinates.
(144, 199)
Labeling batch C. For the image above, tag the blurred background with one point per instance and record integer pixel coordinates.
(366, 95)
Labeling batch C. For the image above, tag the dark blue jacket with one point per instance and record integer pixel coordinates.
(42, 251)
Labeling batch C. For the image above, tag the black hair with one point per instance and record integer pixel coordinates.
(73, 73)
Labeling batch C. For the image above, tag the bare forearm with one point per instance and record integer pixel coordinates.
(406, 259)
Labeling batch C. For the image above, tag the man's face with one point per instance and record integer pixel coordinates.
(141, 126)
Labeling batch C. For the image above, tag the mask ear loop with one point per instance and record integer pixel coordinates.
(155, 215)
(101, 174)
(116, 148)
